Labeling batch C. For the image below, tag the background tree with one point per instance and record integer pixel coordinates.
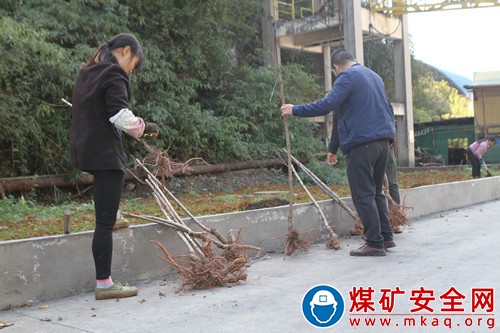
(460, 106)
(436, 100)
(202, 81)
(43, 44)
(378, 56)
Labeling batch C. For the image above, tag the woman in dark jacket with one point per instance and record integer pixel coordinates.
(100, 115)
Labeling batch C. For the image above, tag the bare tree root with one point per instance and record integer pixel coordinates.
(163, 165)
(209, 271)
(358, 228)
(233, 252)
(397, 213)
(333, 243)
(295, 242)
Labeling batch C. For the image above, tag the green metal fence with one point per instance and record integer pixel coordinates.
(443, 142)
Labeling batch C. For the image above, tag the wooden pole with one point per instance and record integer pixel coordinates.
(67, 221)
(328, 191)
(289, 159)
(318, 208)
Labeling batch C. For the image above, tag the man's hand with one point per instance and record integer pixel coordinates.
(331, 158)
(286, 109)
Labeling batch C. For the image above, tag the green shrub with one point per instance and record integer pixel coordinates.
(209, 99)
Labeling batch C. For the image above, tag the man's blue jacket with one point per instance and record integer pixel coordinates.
(363, 111)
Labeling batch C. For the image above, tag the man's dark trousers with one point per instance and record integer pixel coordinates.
(365, 166)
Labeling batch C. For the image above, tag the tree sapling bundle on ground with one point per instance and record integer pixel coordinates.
(294, 240)
(212, 260)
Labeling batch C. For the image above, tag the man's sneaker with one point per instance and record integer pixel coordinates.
(117, 291)
(121, 222)
(367, 251)
(389, 244)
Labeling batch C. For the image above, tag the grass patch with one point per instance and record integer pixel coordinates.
(20, 220)
(25, 218)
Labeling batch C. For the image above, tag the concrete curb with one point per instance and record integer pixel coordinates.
(45, 268)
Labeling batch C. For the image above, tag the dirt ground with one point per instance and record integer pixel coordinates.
(202, 195)
(259, 188)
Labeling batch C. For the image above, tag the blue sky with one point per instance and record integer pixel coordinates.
(461, 41)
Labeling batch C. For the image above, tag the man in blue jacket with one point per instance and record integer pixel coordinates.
(365, 126)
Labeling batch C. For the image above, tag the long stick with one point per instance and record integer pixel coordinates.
(181, 236)
(289, 159)
(390, 201)
(328, 191)
(488, 173)
(320, 211)
(213, 231)
(163, 204)
(193, 247)
(168, 206)
(187, 231)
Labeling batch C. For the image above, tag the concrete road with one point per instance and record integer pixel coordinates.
(446, 267)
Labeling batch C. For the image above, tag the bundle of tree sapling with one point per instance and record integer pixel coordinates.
(212, 260)
(294, 239)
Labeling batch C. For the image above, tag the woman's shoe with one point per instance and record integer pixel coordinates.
(121, 222)
(117, 291)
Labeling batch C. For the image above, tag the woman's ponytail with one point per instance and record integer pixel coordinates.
(104, 54)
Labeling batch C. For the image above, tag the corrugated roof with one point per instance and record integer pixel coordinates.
(486, 79)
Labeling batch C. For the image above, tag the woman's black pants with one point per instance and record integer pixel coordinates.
(108, 186)
(474, 162)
